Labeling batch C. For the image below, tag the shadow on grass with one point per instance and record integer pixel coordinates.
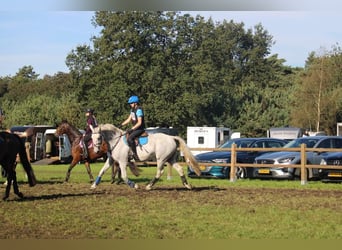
(53, 196)
(184, 189)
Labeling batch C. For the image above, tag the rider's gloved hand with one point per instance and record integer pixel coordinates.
(129, 131)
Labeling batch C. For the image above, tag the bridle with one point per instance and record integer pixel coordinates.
(101, 137)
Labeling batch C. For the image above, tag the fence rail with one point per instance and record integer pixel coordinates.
(233, 164)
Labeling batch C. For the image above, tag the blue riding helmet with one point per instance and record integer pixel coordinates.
(133, 99)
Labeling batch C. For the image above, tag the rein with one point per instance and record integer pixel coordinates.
(111, 148)
(116, 142)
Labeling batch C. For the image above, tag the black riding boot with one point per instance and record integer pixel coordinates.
(134, 150)
(85, 149)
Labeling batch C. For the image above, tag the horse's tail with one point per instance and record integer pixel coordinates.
(189, 157)
(26, 163)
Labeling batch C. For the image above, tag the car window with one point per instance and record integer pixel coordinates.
(258, 144)
(239, 143)
(337, 143)
(310, 142)
(326, 143)
(274, 144)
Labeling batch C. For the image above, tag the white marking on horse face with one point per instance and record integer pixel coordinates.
(96, 141)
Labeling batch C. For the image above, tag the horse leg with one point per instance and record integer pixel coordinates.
(169, 171)
(15, 186)
(8, 187)
(124, 177)
(180, 171)
(71, 166)
(109, 162)
(87, 165)
(116, 171)
(134, 169)
(12, 179)
(160, 171)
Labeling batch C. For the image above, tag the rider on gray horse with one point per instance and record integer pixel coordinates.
(136, 117)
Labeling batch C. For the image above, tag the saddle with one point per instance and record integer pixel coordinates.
(82, 143)
(140, 140)
(85, 147)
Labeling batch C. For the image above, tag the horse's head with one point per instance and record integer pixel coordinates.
(68, 129)
(62, 128)
(97, 139)
(105, 135)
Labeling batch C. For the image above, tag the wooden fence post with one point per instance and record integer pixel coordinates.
(232, 163)
(303, 177)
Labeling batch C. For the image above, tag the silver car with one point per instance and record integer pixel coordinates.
(284, 158)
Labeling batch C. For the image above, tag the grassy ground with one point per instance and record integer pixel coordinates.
(214, 209)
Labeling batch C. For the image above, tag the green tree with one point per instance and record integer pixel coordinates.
(186, 70)
(317, 103)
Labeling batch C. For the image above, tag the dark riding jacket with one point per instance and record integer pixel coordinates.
(90, 121)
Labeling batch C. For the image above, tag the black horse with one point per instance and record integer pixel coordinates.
(10, 146)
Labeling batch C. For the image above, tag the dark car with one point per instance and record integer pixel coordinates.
(284, 158)
(214, 171)
(331, 175)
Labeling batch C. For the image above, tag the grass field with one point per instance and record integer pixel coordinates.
(214, 209)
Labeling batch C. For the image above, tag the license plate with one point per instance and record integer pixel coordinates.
(264, 171)
(334, 174)
(202, 167)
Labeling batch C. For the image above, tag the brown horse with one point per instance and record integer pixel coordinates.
(10, 146)
(75, 137)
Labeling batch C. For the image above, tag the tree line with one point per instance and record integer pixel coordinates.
(187, 71)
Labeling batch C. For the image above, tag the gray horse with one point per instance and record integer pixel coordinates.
(158, 147)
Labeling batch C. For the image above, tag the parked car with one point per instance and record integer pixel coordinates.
(284, 158)
(214, 171)
(331, 175)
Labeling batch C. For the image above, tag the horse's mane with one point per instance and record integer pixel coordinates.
(70, 127)
(109, 127)
(73, 133)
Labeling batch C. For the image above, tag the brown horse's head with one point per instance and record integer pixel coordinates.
(68, 129)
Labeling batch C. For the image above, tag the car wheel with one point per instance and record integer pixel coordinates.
(241, 173)
(297, 174)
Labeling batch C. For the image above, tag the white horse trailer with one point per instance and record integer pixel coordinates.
(206, 137)
(285, 133)
(57, 147)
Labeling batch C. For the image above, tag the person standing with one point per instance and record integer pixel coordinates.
(137, 119)
(91, 124)
(306, 133)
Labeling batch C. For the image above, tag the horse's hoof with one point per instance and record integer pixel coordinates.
(188, 186)
(148, 187)
(118, 182)
(136, 187)
(5, 198)
(93, 186)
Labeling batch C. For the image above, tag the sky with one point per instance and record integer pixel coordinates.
(42, 37)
